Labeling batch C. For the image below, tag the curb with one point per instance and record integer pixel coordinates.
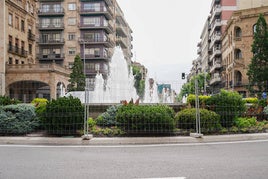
(129, 140)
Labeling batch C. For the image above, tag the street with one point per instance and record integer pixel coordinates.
(214, 160)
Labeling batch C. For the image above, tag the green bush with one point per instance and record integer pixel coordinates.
(18, 119)
(64, 116)
(5, 100)
(107, 119)
(202, 99)
(146, 119)
(251, 100)
(265, 110)
(40, 106)
(242, 122)
(209, 120)
(228, 105)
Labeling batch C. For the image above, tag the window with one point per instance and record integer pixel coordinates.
(30, 49)
(71, 36)
(238, 32)
(92, 6)
(45, 22)
(95, 21)
(22, 26)
(10, 19)
(16, 61)
(57, 8)
(254, 28)
(57, 22)
(45, 8)
(71, 50)
(238, 54)
(72, 6)
(10, 60)
(71, 21)
(17, 23)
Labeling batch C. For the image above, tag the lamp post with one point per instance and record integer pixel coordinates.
(86, 135)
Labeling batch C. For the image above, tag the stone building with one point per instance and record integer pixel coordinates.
(236, 47)
(40, 39)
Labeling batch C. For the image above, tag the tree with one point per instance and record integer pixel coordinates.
(258, 68)
(189, 88)
(139, 82)
(77, 77)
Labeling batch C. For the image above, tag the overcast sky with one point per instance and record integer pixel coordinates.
(165, 34)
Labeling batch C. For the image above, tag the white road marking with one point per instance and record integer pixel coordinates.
(165, 178)
(129, 146)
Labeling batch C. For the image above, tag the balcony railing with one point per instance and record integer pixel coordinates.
(51, 11)
(17, 51)
(106, 41)
(121, 30)
(51, 26)
(94, 71)
(107, 27)
(217, 65)
(51, 41)
(106, 11)
(59, 56)
(122, 42)
(31, 36)
(215, 79)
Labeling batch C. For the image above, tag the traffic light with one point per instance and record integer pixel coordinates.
(183, 76)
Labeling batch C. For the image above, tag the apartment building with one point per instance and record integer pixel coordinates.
(42, 37)
(210, 47)
(236, 51)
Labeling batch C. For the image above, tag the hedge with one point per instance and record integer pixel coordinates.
(18, 119)
(209, 120)
(146, 119)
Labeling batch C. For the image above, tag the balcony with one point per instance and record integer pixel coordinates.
(51, 41)
(51, 57)
(51, 12)
(216, 11)
(199, 50)
(106, 41)
(216, 52)
(107, 27)
(98, 56)
(17, 51)
(122, 42)
(31, 36)
(216, 37)
(121, 30)
(217, 65)
(215, 25)
(51, 26)
(95, 71)
(103, 10)
(215, 79)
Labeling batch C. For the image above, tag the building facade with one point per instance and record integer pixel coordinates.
(210, 48)
(42, 38)
(236, 43)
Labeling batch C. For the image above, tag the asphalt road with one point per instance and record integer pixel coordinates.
(225, 160)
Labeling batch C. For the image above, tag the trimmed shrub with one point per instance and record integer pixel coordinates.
(18, 119)
(64, 116)
(251, 100)
(228, 105)
(40, 106)
(209, 120)
(242, 122)
(107, 119)
(146, 119)
(202, 99)
(5, 100)
(265, 110)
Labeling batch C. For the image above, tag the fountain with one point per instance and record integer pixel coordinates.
(119, 85)
(151, 94)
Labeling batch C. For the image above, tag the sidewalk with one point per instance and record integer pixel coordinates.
(129, 140)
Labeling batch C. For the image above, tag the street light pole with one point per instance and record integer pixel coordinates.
(86, 136)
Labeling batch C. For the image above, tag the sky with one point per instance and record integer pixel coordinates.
(165, 35)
